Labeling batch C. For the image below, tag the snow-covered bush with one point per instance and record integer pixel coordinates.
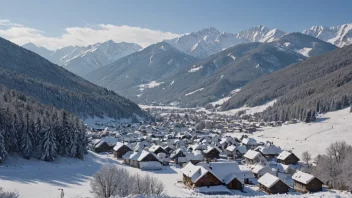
(4, 194)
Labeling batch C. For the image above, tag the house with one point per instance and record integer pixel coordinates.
(179, 156)
(240, 151)
(198, 176)
(144, 160)
(253, 157)
(287, 158)
(212, 152)
(120, 149)
(249, 142)
(195, 157)
(304, 182)
(260, 170)
(156, 149)
(231, 151)
(102, 146)
(272, 184)
(268, 151)
(215, 173)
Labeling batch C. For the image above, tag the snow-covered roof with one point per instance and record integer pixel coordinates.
(194, 172)
(268, 180)
(144, 154)
(154, 148)
(241, 149)
(118, 145)
(251, 154)
(283, 155)
(249, 141)
(210, 148)
(127, 155)
(231, 148)
(302, 177)
(100, 143)
(269, 150)
(195, 155)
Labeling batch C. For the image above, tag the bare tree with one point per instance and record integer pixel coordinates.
(4, 194)
(112, 181)
(108, 180)
(306, 157)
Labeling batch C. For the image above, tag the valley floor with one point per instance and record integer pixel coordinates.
(38, 179)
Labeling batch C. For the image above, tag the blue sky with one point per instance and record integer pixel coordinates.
(52, 18)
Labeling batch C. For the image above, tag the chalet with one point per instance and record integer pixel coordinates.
(272, 184)
(144, 160)
(215, 173)
(304, 182)
(268, 151)
(156, 149)
(195, 157)
(249, 142)
(102, 146)
(253, 157)
(260, 170)
(240, 151)
(179, 157)
(212, 152)
(198, 176)
(231, 151)
(120, 149)
(287, 158)
(168, 149)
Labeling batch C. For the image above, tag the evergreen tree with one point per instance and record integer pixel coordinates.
(26, 140)
(49, 146)
(3, 152)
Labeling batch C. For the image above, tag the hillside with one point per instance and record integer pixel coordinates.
(148, 68)
(319, 84)
(29, 73)
(215, 77)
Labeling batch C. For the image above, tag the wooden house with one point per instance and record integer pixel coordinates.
(287, 158)
(253, 157)
(144, 160)
(198, 176)
(212, 152)
(179, 157)
(156, 149)
(304, 182)
(102, 146)
(120, 149)
(272, 184)
(268, 151)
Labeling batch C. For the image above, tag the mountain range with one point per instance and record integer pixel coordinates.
(196, 68)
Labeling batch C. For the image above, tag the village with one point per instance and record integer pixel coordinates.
(213, 152)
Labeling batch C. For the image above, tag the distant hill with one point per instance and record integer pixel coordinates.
(319, 84)
(31, 74)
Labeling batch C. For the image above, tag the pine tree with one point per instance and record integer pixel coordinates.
(26, 140)
(3, 152)
(49, 148)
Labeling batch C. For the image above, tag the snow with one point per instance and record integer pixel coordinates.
(150, 85)
(172, 82)
(302, 177)
(195, 68)
(150, 165)
(150, 59)
(221, 101)
(257, 66)
(249, 110)
(268, 180)
(304, 51)
(286, 44)
(251, 154)
(232, 56)
(213, 190)
(190, 93)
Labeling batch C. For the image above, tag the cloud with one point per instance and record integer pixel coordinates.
(82, 36)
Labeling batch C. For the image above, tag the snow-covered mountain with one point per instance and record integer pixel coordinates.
(98, 55)
(209, 41)
(340, 35)
(205, 42)
(142, 70)
(82, 60)
(260, 33)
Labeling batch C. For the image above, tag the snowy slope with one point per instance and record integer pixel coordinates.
(340, 35)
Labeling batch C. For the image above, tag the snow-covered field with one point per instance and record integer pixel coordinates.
(313, 137)
(38, 179)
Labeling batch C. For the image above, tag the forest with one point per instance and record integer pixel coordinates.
(33, 130)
